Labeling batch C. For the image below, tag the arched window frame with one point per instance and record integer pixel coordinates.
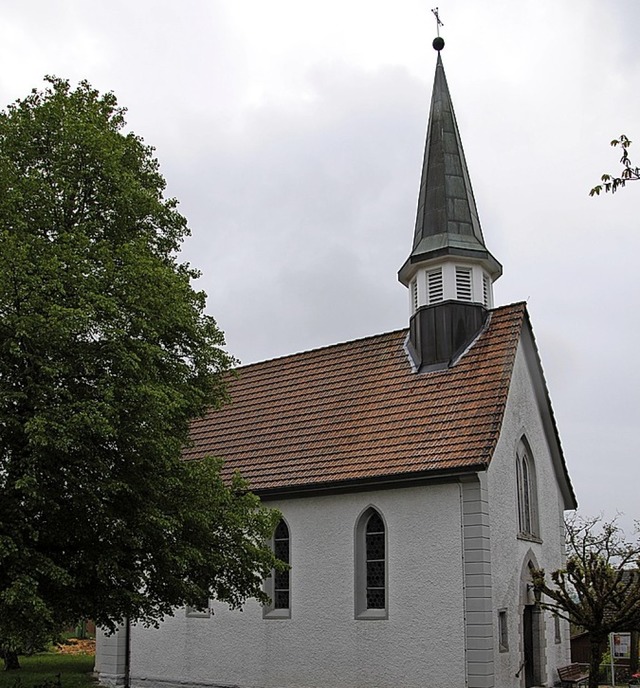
(363, 565)
(278, 584)
(527, 492)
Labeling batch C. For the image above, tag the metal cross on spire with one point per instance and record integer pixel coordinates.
(438, 22)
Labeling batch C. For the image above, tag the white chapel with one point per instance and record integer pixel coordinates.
(420, 477)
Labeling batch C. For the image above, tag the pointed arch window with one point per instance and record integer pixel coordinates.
(371, 588)
(526, 492)
(278, 585)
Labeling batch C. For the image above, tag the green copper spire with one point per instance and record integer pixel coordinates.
(447, 219)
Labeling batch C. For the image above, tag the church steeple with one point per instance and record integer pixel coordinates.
(449, 272)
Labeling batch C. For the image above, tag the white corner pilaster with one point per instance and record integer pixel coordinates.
(478, 600)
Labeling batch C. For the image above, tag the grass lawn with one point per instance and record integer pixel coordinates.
(75, 671)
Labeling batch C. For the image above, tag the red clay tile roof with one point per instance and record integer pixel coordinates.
(356, 411)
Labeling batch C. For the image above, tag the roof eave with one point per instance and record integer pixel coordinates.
(381, 482)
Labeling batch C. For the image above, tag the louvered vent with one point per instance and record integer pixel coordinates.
(464, 291)
(434, 285)
(485, 291)
(414, 295)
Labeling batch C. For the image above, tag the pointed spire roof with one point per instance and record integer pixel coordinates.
(447, 219)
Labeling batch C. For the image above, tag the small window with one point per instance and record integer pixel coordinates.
(503, 631)
(435, 289)
(371, 566)
(464, 291)
(558, 631)
(278, 585)
(526, 488)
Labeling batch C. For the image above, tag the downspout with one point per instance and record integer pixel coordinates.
(127, 654)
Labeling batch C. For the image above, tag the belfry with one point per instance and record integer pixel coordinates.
(449, 272)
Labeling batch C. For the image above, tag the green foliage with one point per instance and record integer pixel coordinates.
(106, 354)
(628, 173)
(50, 669)
(599, 587)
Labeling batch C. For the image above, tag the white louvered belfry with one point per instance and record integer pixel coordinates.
(451, 280)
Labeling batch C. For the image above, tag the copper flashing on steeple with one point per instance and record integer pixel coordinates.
(447, 219)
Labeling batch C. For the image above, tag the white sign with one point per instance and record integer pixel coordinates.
(621, 645)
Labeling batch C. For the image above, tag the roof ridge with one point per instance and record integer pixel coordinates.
(323, 347)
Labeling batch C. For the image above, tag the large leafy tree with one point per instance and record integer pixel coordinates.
(599, 587)
(106, 354)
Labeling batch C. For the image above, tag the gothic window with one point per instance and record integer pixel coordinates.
(375, 556)
(281, 589)
(371, 566)
(526, 497)
(278, 585)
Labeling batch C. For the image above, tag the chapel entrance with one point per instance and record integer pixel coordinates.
(533, 637)
(533, 645)
(527, 633)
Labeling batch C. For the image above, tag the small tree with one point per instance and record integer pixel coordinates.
(629, 172)
(106, 355)
(599, 587)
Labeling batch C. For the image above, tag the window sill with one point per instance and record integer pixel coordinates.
(529, 537)
(372, 614)
(195, 614)
(276, 614)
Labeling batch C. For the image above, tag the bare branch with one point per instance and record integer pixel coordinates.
(599, 587)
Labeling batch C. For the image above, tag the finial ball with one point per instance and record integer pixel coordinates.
(438, 43)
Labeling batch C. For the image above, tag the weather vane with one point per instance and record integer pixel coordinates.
(438, 22)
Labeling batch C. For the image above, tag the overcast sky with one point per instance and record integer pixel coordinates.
(292, 133)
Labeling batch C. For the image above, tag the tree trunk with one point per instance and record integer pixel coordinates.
(597, 650)
(10, 658)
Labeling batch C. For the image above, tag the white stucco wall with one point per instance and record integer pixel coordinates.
(111, 658)
(509, 552)
(322, 645)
